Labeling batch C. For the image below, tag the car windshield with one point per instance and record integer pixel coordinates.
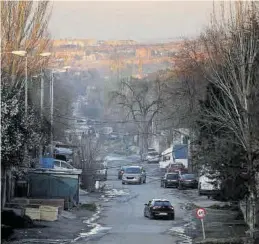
(172, 176)
(162, 203)
(188, 177)
(132, 170)
(152, 154)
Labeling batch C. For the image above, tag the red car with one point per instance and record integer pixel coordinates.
(121, 172)
(178, 167)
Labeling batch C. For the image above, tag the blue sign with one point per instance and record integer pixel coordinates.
(180, 151)
(47, 162)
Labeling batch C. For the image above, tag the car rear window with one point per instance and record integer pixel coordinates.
(172, 176)
(162, 203)
(177, 166)
(188, 176)
(132, 170)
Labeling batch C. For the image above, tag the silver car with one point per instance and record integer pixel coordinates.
(134, 175)
(153, 157)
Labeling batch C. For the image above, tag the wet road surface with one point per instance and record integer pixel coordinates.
(123, 218)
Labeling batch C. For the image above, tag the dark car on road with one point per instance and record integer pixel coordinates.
(170, 180)
(188, 181)
(159, 208)
(121, 172)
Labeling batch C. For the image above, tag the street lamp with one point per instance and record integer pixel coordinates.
(22, 53)
(46, 54)
(19, 53)
(43, 55)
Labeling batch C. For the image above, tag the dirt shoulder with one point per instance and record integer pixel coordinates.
(68, 226)
(223, 222)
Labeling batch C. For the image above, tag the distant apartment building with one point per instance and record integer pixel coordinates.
(90, 57)
(126, 42)
(90, 42)
(67, 43)
(143, 52)
(120, 42)
(69, 54)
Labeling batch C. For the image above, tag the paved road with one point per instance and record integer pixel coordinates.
(123, 217)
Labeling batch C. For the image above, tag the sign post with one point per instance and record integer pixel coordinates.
(201, 213)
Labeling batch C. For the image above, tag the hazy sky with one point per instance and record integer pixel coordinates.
(142, 20)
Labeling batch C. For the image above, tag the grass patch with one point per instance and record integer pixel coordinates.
(224, 207)
(89, 206)
(191, 206)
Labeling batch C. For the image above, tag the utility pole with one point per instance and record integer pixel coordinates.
(26, 106)
(51, 111)
(41, 107)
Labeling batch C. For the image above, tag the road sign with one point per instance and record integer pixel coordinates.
(200, 213)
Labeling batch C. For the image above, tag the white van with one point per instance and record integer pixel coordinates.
(166, 159)
(208, 185)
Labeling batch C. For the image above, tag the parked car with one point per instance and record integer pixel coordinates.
(134, 174)
(159, 208)
(208, 185)
(121, 172)
(63, 165)
(187, 181)
(113, 136)
(170, 180)
(101, 172)
(151, 149)
(153, 157)
(177, 167)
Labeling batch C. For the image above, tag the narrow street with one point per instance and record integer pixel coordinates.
(123, 219)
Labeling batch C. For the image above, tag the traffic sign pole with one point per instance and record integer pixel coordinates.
(201, 213)
(203, 230)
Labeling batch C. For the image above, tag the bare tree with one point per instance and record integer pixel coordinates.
(90, 149)
(142, 100)
(229, 115)
(232, 64)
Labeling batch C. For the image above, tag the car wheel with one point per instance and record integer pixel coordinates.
(171, 217)
(123, 183)
(151, 216)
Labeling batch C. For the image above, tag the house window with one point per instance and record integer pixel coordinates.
(185, 139)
